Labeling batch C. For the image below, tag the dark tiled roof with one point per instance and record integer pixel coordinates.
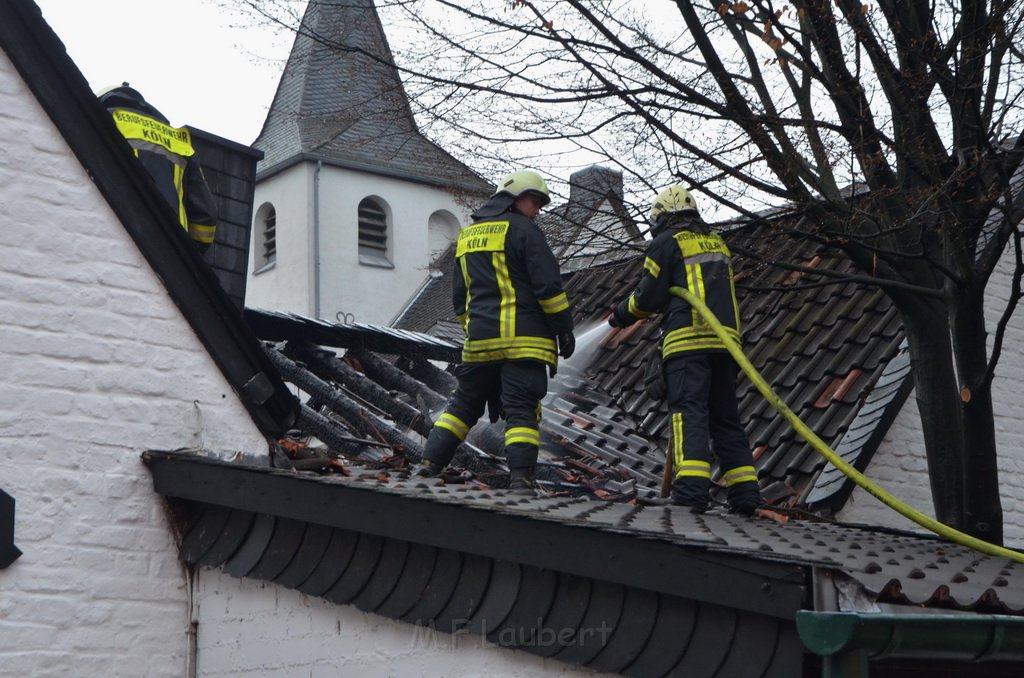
(340, 100)
(599, 464)
(830, 348)
(891, 567)
(822, 347)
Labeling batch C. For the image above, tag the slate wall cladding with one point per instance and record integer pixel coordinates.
(574, 619)
(230, 170)
(98, 363)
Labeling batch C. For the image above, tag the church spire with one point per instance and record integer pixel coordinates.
(341, 100)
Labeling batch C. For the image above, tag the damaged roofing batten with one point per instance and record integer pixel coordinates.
(88, 129)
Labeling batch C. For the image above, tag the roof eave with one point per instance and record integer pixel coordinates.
(481, 189)
(770, 588)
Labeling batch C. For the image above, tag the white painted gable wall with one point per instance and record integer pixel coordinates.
(259, 630)
(97, 365)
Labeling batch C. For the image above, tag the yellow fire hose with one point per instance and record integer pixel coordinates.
(819, 445)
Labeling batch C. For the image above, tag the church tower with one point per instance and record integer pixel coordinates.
(352, 202)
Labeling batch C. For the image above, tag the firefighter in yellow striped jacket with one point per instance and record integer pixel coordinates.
(507, 292)
(700, 375)
(167, 154)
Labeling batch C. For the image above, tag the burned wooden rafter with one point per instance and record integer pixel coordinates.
(439, 380)
(357, 417)
(327, 366)
(332, 433)
(277, 326)
(389, 376)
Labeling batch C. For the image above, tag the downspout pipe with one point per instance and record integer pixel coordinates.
(316, 238)
(847, 641)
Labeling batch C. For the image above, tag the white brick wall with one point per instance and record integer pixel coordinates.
(97, 365)
(900, 465)
(252, 629)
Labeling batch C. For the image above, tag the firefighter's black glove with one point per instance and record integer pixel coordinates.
(615, 320)
(566, 345)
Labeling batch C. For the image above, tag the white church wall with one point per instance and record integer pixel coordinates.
(900, 465)
(286, 284)
(98, 366)
(350, 291)
(442, 230)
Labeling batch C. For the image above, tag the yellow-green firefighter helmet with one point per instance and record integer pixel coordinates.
(672, 199)
(524, 181)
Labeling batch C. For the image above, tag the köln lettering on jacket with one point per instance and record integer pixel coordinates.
(136, 126)
(692, 243)
(488, 236)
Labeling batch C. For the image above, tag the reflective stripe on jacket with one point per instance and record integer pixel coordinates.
(167, 154)
(700, 262)
(507, 291)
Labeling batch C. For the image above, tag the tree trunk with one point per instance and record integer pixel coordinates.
(931, 363)
(984, 511)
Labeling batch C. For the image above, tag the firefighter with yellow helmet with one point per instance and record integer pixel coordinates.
(507, 292)
(167, 154)
(700, 375)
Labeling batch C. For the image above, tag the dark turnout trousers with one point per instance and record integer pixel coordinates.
(703, 407)
(519, 385)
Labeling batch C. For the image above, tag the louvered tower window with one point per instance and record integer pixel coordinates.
(264, 238)
(373, 233)
(270, 237)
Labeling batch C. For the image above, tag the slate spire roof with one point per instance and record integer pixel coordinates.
(340, 100)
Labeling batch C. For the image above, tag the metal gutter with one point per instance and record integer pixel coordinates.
(848, 641)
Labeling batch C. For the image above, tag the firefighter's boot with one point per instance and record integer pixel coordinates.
(522, 480)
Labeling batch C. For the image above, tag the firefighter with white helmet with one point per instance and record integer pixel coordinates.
(700, 375)
(507, 292)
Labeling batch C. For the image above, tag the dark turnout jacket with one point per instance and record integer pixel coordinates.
(687, 255)
(168, 155)
(507, 289)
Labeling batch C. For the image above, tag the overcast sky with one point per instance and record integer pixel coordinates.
(200, 64)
